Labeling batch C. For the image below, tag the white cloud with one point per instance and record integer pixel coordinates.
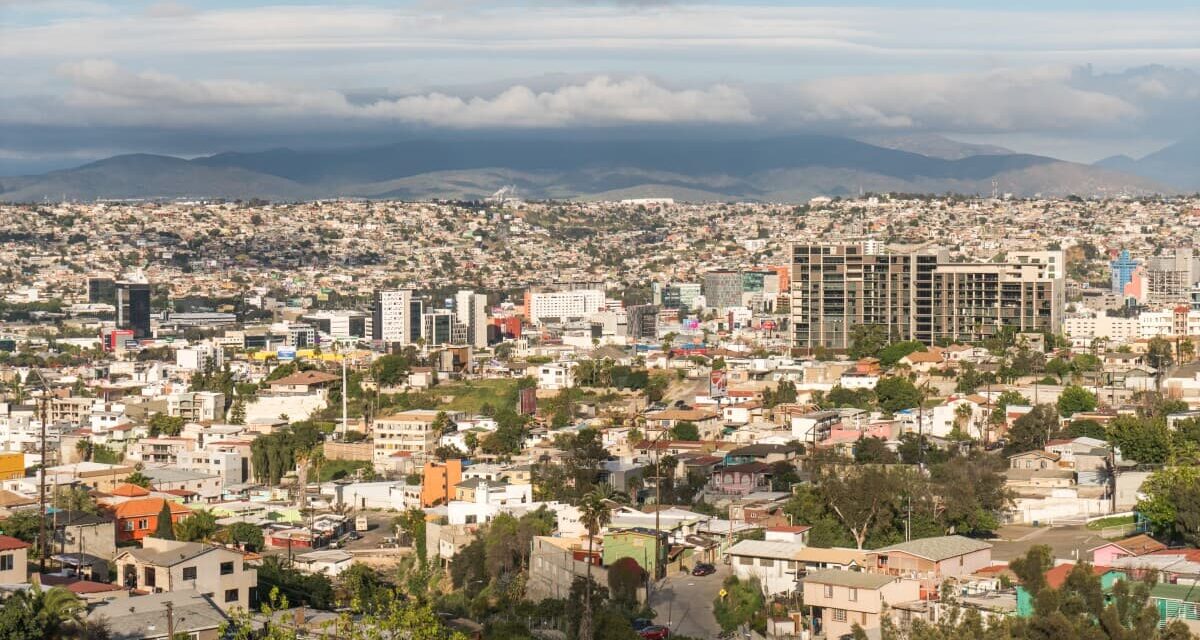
(1039, 99)
(598, 101)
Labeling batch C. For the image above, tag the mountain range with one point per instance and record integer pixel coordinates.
(1177, 165)
(780, 169)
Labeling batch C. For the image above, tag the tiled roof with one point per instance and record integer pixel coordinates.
(938, 548)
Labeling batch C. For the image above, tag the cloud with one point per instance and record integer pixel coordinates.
(1039, 99)
(169, 9)
(601, 100)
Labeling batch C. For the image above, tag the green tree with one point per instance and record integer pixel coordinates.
(890, 355)
(1058, 368)
(1145, 440)
(38, 613)
(1171, 503)
(138, 478)
(165, 529)
(364, 589)
(1032, 430)
(896, 393)
(199, 526)
(22, 525)
(685, 430)
(873, 451)
(866, 340)
(971, 492)
(1086, 429)
(247, 535)
(1075, 399)
(162, 424)
(743, 604)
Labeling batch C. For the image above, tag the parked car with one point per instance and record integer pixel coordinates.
(641, 623)
(703, 569)
(655, 632)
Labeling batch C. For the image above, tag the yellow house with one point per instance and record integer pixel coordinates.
(12, 465)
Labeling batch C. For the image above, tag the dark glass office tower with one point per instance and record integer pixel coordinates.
(133, 308)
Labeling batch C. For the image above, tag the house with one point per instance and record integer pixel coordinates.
(14, 561)
(1139, 545)
(814, 426)
(838, 600)
(776, 564)
(1177, 602)
(555, 376)
(818, 558)
(170, 565)
(93, 536)
(150, 617)
(303, 382)
(329, 562)
(555, 563)
(787, 533)
(1034, 460)
(649, 548)
(1057, 576)
(707, 422)
(415, 432)
(138, 518)
(741, 479)
(924, 361)
(766, 453)
(931, 560)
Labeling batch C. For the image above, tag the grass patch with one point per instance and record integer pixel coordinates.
(471, 395)
(338, 469)
(1114, 521)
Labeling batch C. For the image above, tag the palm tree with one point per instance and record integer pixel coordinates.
(84, 449)
(57, 612)
(594, 515)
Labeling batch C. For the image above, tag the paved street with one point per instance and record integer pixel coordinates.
(684, 603)
(1067, 541)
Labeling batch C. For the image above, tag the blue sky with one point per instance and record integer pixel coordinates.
(1070, 78)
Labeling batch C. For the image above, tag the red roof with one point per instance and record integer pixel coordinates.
(146, 507)
(9, 543)
(1058, 575)
(791, 528)
(128, 490)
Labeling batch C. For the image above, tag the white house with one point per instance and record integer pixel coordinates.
(776, 564)
(554, 376)
(329, 562)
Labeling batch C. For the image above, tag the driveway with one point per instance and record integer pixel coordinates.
(684, 603)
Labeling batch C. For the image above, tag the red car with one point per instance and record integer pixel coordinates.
(655, 632)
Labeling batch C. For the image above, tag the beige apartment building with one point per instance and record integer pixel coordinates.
(169, 566)
(411, 432)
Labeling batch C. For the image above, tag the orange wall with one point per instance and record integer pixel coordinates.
(434, 483)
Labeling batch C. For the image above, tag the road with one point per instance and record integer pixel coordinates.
(1071, 542)
(684, 603)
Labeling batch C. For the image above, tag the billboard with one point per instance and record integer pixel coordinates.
(285, 354)
(718, 384)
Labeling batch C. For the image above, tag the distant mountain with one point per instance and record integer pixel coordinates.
(1177, 165)
(778, 169)
(933, 145)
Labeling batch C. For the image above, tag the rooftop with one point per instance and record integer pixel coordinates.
(938, 548)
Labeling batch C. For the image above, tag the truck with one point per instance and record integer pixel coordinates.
(360, 524)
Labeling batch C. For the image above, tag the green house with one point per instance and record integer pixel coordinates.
(1176, 602)
(1055, 579)
(637, 543)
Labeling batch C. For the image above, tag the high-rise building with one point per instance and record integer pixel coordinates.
(1122, 271)
(562, 305)
(470, 310)
(391, 319)
(416, 328)
(723, 289)
(642, 321)
(1169, 278)
(133, 306)
(916, 293)
(439, 327)
(102, 290)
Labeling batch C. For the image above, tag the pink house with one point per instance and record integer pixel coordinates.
(931, 560)
(1139, 545)
(741, 479)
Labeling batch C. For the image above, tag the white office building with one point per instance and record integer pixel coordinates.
(579, 303)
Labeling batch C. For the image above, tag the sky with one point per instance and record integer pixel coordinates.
(1075, 79)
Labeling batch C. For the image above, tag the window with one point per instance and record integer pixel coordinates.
(766, 562)
(226, 568)
(745, 561)
(839, 615)
(189, 573)
(128, 525)
(231, 595)
(828, 591)
(853, 595)
(6, 562)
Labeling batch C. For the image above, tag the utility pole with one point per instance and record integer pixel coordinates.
(42, 549)
(170, 620)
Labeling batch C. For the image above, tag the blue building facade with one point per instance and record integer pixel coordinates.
(1122, 271)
